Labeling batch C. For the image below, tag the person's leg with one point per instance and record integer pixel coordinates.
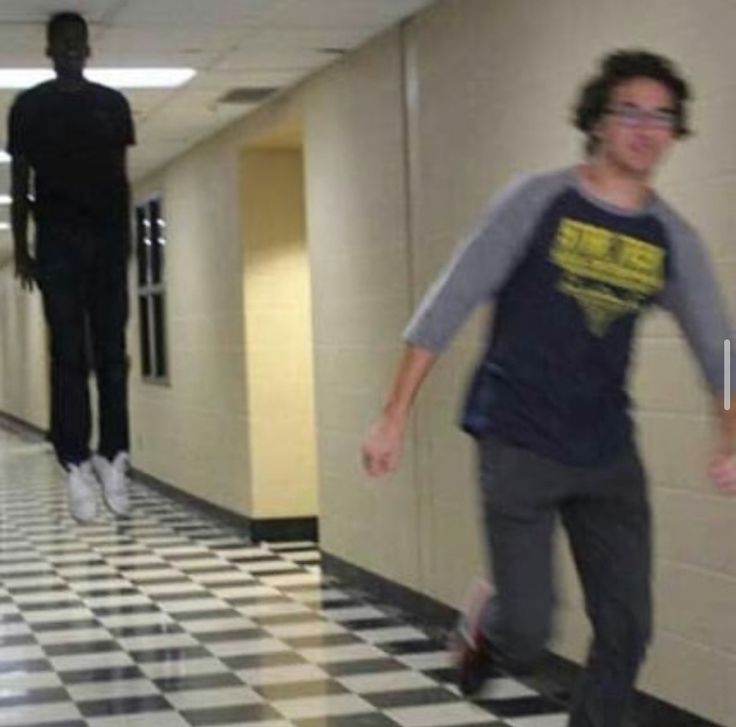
(61, 281)
(519, 505)
(609, 529)
(108, 314)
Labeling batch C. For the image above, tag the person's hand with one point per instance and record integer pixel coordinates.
(383, 447)
(723, 472)
(25, 271)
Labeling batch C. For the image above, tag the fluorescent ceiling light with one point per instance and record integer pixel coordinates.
(5, 199)
(4, 157)
(4, 226)
(115, 77)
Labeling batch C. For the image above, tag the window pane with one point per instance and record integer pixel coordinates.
(159, 332)
(145, 330)
(158, 240)
(141, 248)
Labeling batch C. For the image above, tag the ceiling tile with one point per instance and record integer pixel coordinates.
(37, 11)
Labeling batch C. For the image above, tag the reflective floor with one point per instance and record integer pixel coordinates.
(168, 618)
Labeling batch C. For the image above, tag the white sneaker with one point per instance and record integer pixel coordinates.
(81, 492)
(114, 478)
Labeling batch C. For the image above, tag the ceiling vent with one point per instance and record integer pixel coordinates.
(246, 95)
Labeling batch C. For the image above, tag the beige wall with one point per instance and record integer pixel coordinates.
(23, 352)
(278, 324)
(356, 203)
(193, 432)
(405, 141)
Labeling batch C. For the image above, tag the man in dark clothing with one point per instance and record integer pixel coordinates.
(571, 258)
(69, 137)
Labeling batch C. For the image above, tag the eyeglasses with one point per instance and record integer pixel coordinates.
(634, 116)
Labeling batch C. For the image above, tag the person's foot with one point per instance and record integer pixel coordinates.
(473, 660)
(114, 479)
(81, 492)
(471, 648)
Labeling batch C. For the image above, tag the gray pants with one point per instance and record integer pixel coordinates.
(605, 512)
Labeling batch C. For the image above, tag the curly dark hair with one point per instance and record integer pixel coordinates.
(621, 66)
(59, 19)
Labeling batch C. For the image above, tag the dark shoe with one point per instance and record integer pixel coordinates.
(474, 663)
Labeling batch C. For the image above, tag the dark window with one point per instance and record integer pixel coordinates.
(151, 254)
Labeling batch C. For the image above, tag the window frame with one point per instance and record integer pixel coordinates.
(152, 332)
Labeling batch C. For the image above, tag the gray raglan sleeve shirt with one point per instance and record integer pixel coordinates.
(694, 299)
(484, 262)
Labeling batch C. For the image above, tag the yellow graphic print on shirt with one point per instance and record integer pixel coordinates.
(608, 274)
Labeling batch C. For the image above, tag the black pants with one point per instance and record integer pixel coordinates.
(82, 274)
(605, 512)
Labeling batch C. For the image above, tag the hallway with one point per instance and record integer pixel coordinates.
(168, 618)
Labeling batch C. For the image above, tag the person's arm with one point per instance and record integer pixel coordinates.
(693, 297)
(383, 446)
(20, 213)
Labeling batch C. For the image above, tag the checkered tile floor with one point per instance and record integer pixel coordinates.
(168, 619)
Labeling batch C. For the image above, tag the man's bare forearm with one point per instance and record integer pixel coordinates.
(727, 425)
(413, 369)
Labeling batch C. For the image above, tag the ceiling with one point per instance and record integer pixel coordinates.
(230, 43)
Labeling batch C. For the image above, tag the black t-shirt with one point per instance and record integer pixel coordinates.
(75, 143)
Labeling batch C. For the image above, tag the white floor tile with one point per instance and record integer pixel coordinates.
(260, 566)
(131, 620)
(194, 604)
(183, 668)
(431, 660)
(17, 681)
(36, 713)
(353, 614)
(82, 586)
(502, 688)
(160, 719)
(144, 576)
(72, 636)
(214, 625)
(271, 609)
(54, 615)
(20, 653)
(247, 647)
(158, 641)
(439, 715)
(320, 596)
(245, 552)
(296, 579)
(223, 578)
(307, 628)
(394, 681)
(90, 661)
(213, 698)
(87, 571)
(329, 705)
(112, 689)
(337, 654)
(392, 634)
(552, 720)
(291, 674)
(186, 564)
(116, 601)
(31, 599)
(162, 589)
